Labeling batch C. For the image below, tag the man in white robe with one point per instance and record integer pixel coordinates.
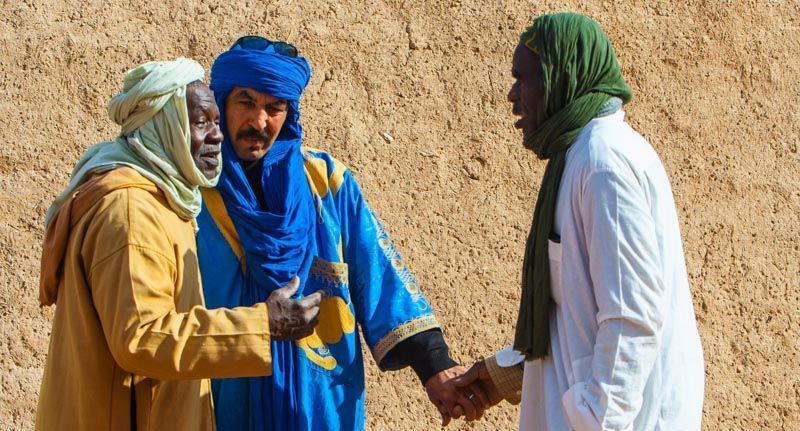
(621, 349)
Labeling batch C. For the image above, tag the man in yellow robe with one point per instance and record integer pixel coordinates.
(132, 344)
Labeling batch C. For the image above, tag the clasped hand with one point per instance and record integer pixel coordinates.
(458, 392)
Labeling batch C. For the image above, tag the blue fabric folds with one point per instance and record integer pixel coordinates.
(318, 383)
(278, 240)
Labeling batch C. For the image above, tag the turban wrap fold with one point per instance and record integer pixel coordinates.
(580, 73)
(155, 138)
(279, 240)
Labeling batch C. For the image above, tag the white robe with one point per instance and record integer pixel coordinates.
(625, 351)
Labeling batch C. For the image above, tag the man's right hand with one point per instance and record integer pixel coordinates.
(292, 319)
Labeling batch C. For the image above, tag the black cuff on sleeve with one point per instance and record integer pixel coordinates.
(426, 352)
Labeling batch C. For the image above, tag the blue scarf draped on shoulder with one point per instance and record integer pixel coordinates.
(279, 240)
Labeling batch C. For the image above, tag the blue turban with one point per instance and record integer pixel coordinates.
(279, 241)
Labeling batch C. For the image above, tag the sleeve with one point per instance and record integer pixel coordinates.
(628, 288)
(133, 290)
(506, 370)
(389, 305)
(435, 355)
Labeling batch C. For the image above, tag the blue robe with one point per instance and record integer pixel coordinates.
(366, 285)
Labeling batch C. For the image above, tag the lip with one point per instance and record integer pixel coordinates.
(254, 141)
(211, 157)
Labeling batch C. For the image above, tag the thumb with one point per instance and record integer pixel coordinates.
(289, 289)
(466, 379)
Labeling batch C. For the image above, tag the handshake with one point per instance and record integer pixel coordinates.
(458, 392)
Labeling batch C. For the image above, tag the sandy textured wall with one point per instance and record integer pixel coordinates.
(717, 94)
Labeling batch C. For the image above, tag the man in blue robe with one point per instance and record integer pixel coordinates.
(283, 214)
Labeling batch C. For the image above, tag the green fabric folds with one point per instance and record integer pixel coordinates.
(580, 73)
(155, 137)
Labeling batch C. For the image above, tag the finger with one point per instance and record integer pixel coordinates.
(480, 396)
(289, 289)
(470, 412)
(300, 333)
(443, 412)
(456, 412)
(466, 379)
(312, 317)
(445, 420)
(312, 300)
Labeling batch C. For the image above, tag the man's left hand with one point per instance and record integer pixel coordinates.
(454, 402)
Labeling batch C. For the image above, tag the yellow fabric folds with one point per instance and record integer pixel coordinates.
(130, 317)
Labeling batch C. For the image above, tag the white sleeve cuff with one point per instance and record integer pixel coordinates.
(509, 357)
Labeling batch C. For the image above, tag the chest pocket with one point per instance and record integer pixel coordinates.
(554, 254)
(331, 348)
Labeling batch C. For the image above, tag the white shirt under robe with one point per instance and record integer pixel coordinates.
(625, 353)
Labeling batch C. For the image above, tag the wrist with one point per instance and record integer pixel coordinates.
(432, 363)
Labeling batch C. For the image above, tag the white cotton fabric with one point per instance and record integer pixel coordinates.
(625, 351)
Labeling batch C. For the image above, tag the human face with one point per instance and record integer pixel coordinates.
(206, 137)
(254, 120)
(527, 92)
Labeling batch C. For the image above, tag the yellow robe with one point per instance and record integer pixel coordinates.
(130, 317)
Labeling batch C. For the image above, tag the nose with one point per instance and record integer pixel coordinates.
(259, 119)
(513, 93)
(215, 136)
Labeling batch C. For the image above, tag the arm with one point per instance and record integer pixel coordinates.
(395, 317)
(426, 353)
(627, 284)
(133, 292)
(389, 305)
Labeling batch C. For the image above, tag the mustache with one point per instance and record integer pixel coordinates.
(207, 149)
(253, 133)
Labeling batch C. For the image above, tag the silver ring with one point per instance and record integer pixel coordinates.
(471, 396)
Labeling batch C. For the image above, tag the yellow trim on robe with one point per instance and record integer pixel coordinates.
(216, 207)
(337, 176)
(402, 332)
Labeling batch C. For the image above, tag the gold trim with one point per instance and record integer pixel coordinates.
(402, 332)
(337, 176)
(331, 272)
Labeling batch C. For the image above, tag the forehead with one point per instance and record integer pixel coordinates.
(525, 61)
(251, 93)
(199, 96)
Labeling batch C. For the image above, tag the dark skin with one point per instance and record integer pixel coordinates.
(527, 92)
(289, 319)
(206, 136)
(292, 319)
(527, 98)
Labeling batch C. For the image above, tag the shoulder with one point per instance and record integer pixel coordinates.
(326, 172)
(136, 217)
(610, 145)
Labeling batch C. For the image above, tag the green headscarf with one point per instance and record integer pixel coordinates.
(580, 73)
(155, 137)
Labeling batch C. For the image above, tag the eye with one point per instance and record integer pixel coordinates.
(200, 123)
